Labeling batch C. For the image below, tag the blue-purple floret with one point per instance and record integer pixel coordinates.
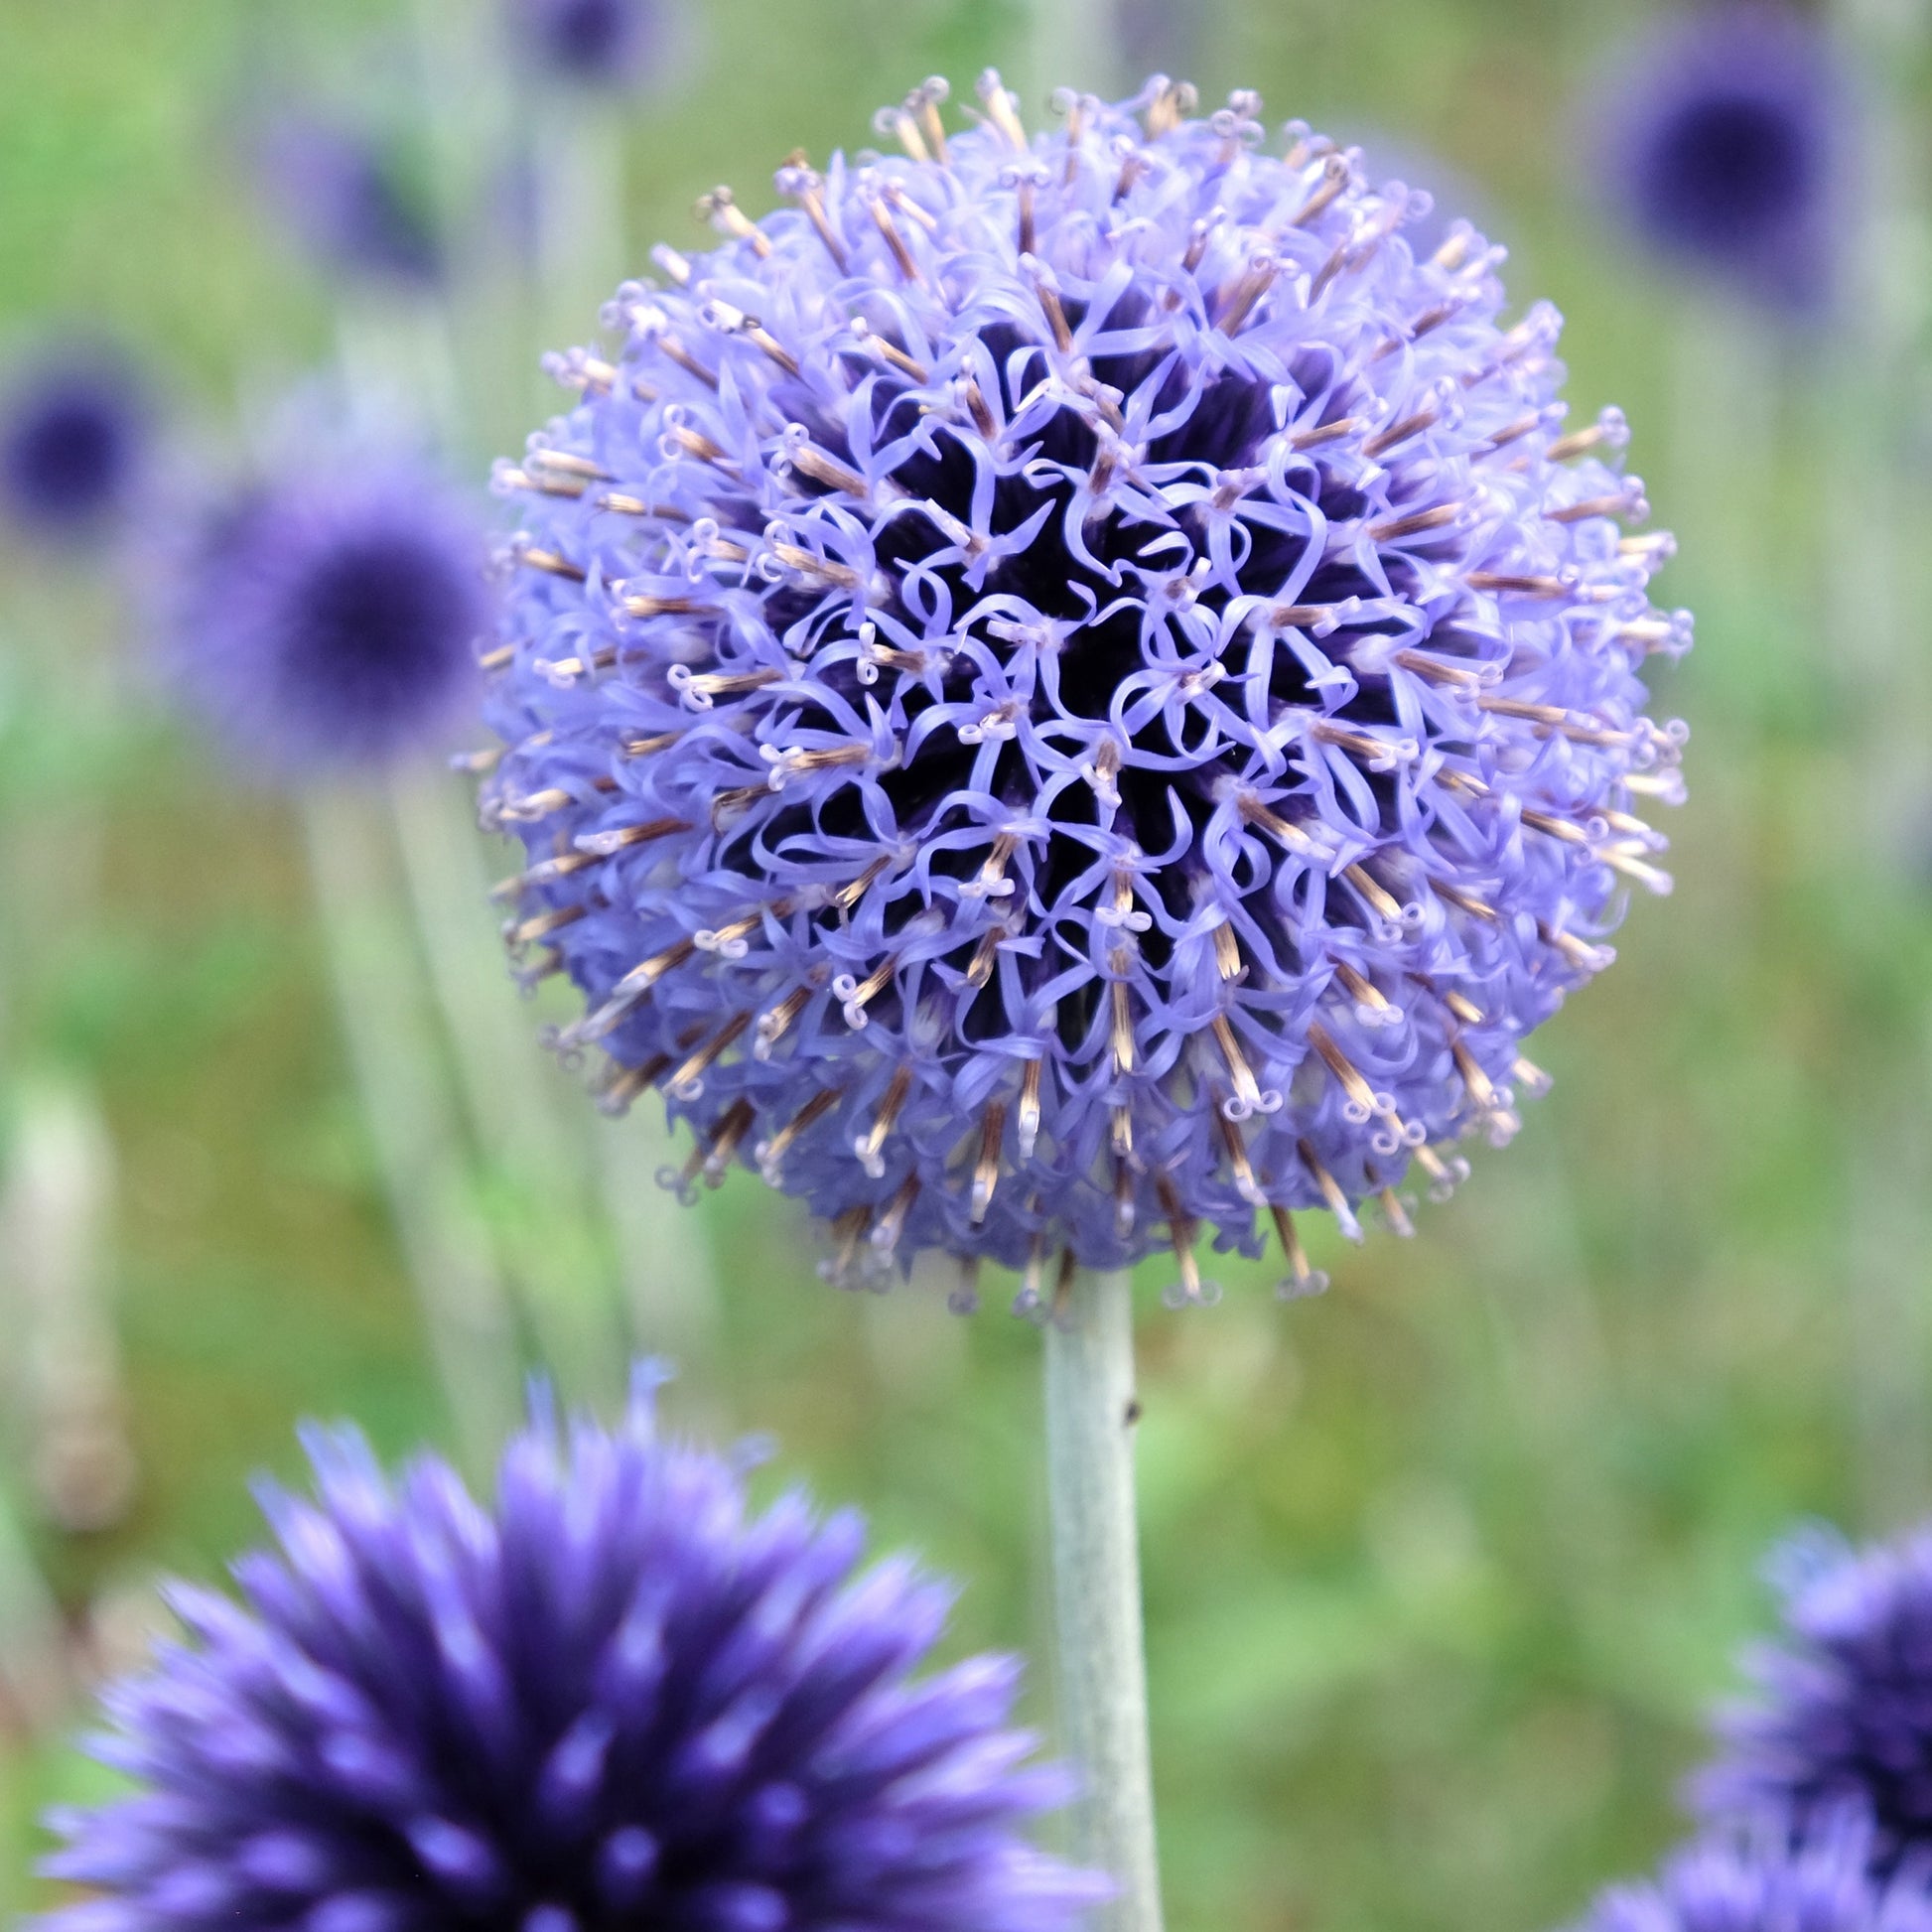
(1842, 1716)
(328, 617)
(619, 1699)
(1062, 691)
(1768, 1885)
(1727, 142)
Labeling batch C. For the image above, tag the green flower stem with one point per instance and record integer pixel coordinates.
(1090, 1416)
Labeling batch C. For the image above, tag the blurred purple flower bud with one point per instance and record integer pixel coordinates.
(615, 1700)
(590, 43)
(350, 201)
(1768, 1885)
(328, 615)
(1844, 1712)
(73, 425)
(1726, 137)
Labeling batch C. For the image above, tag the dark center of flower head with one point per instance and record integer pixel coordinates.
(1104, 707)
(67, 456)
(378, 628)
(1728, 167)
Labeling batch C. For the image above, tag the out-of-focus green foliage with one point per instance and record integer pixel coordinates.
(1440, 1570)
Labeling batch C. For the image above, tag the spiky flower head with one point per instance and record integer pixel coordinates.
(1726, 137)
(1061, 689)
(351, 201)
(1844, 1712)
(328, 617)
(1766, 1884)
(590, 43)
(620, 1699)
(72, 429)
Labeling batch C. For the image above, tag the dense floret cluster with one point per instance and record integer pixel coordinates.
(1063, 689)
(616, 1700)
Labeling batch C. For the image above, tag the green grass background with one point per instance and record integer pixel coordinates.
(1442, 1570)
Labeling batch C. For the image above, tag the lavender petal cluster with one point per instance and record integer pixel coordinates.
(1726, 143)
(1843, 1718)
(618, 1699)
(1065, 690)
(1757, 1884)
(327, 618)
(73, 427)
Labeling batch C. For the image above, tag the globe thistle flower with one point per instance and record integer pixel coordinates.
(1767, 1885)
(327, 618)
(590, 43)
(1726, 138)
(618, 1699)
(351, 202)
(1062, 691)
(71, 430)
(1843, 1716)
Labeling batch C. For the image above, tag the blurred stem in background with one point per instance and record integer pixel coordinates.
(1091, 1415)
(404, 1091)
(55, 1220)
(1873, 609)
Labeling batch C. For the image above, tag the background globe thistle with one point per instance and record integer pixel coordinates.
(1767, 1885)
(328, 615)
(350, 201)
(1724, 143)
(1844, 1714)
(1057, 689)
(72, 429)
(617, 1700)
(590, 43)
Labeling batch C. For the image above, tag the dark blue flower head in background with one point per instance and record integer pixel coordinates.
(1064, 690)
(615, 1700)
(1765, 1884)
(73, 427)
(590, 43)
(350, 201)
(1844, 1710)
(328, 617)
(1726, 140)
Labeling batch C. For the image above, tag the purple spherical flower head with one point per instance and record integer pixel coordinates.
(1724, 143)
(72, 429)
(1843, 1714)
(616, 1699)
(349, 202)
(1064, 689)
(590, 43)
(328, 617)
(1768, 1884)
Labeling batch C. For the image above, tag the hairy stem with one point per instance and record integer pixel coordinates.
(1090, 1416)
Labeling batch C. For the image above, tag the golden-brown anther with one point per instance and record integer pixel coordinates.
(1027, 1122)
(541, 925)
(1227, 953)
(685, 1081)
(771, 1153)
(873, 1145)
(986, 1168)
